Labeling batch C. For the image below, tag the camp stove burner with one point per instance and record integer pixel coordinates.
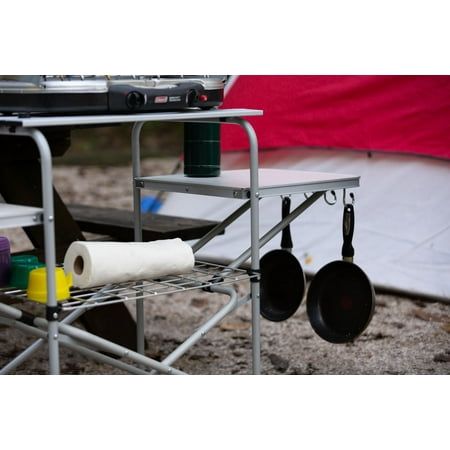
(107, 94)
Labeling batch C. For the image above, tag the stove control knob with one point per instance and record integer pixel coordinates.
(135, 100)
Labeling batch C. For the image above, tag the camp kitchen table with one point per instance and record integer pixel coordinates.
(249, 186)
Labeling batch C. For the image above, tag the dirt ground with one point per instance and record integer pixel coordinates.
(406, 336)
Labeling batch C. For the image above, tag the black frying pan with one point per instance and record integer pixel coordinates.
(282, 277)
(341, 299)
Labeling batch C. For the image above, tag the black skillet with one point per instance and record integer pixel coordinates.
(282, 277)
(341, 299)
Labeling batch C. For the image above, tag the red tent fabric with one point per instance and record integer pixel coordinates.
(406, 114)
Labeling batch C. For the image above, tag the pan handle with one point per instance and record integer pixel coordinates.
(286, 238)
(348, 225)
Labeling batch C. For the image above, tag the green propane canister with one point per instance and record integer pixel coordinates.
(202, 149)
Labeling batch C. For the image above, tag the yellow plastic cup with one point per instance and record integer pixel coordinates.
(37, 285)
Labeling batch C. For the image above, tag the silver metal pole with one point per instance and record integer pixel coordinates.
(212, 322)
(71, 344)
(277, 228)
(23, 356)
(28, 352)
(254, 234)
(136, 161)
(220, 227)
(136, 164)
(10, 312)
(107, 346)
(49, 243)
(100, 357)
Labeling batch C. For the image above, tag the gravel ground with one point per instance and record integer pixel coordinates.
(406, 336)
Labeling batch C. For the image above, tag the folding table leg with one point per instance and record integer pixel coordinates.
(136, 163)
(73, 345)
(35, 346)
(254, 235)
(49, 235)
(210, 323)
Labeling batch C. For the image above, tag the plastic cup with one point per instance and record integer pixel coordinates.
(37, 285)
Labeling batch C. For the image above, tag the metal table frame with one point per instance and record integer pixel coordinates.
(49, 233)
(90, 345)
(254, 225)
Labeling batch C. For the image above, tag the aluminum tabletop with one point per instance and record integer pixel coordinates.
(19, 216)
(236, 183)
(74, 120)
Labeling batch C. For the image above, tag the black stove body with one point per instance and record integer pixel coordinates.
(57, 95)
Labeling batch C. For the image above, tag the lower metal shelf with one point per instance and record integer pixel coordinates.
(203, 276)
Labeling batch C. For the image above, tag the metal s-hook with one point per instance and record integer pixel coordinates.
(328, 202)
(344, 195)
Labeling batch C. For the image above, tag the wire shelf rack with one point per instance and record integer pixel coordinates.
(203, 276)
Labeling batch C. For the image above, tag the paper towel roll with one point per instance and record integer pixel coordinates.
(98, 263)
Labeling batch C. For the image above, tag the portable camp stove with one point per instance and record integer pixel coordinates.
(107, 94)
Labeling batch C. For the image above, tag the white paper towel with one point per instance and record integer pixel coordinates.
(98, 263)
